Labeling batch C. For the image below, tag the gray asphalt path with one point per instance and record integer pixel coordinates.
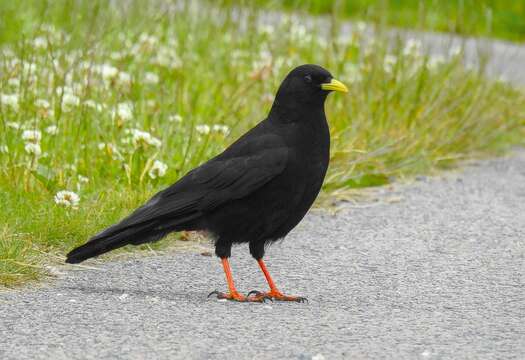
(429, 270)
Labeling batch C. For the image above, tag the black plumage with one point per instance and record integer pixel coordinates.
(256, 191)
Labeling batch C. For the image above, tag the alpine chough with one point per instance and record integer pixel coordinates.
(254, 192)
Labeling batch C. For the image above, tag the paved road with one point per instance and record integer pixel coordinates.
(429, 270)
(502, 59)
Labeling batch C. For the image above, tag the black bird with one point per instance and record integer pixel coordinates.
(254, 192)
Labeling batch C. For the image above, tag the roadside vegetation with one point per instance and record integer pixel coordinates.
(504, 19)
(101, 105)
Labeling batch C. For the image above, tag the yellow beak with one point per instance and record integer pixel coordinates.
(335, 85)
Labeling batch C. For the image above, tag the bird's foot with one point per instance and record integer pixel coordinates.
(234, 296)
(255, 295)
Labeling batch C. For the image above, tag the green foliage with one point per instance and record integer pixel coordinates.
(495, 18)
(113, 102)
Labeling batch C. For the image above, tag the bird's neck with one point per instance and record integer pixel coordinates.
(289, 112)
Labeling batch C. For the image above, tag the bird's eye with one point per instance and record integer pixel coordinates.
(308, 78)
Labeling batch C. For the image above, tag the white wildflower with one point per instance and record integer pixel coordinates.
(203, 129)
(151, 78)
(83, 179)
(361, 26)
(94, 105)
(175, 118)
(124, 111)
(389, 63)
(13, 125)
(69, 100)
(15, 82)
(33, 149)
(141, 138)
(221, 129)
(51, 129)
(33, 136)
(40, 42)
(10, 100)
(124, 78)
(107, 71)
(67, 198)
(116, 55)
(158, 169)
(4, 149)
(42, 103)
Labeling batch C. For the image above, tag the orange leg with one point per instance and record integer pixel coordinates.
(274, 293)
(233, 293)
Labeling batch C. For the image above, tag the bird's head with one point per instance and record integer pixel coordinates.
(308, 85)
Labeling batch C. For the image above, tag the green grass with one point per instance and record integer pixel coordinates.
(400, 118)
(503, 19)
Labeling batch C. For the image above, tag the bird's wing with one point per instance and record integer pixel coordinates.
(232, 175)
(237, 177)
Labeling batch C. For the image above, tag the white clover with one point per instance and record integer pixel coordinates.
(175, 118)
(67, 198)
(223, 129)
(124, 78)
(40, 42)
(69, 100)
(94, 105)
(51, 129)
(361, 26)
(203, 129)
(33, 149)
(124, 111)
(141, 138)
(389, 63)
(10, 100)
(42, 103)
(151, 78)
(33, 136)
(107, 71)
(15, 82)
(13, 125)
(158, 169)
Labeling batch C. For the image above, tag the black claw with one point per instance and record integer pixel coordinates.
(215, 292)
(255, 292)
(267, 298)
(302, 300)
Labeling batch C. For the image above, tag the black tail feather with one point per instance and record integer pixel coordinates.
(100, 245)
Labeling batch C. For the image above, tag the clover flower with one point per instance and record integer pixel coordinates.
(33, 149)
(10, 100)
(32, 136)
(158, 169)
(141, 138)
(124, 111)
(67, 198)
